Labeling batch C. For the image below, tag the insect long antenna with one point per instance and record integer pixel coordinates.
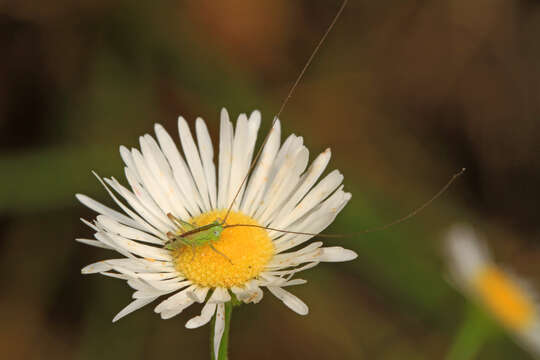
(378, 228)
(174, 219)
(421, 207)
(284, 231)
(284, 103)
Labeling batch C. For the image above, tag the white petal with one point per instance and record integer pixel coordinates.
(95, 267)
(115, 275)
(238, 165)
(284, 182)
(319, 193)
(292, 258)
(180, 171)
(149, 181)
(291, 272)
(140, 195)
(281, 167)
(225, 158)
(251, 292)
(327, 254)
(160, 189)
(220, 295)
(308, 180)
(289, 146)
(314, 222)
(149, 212)
(164, 286)
(194, 161)
(242, 153)
(141, 250)
(254, 122)
(140, 285)
(290, 300)
(207, 157)
(106, 239)
(88, 223)
(128, 160)
(147, 265)
(135, 265)
(179, 300)
(259, 179)
(467, 253)
(105, 210)
(272, 280)
(530, 338)
(126, 231)
(95, 243)
(207, 312)
(148, 290)
(161, 171)
(198, 294)
(294, 282)
(159, 276)
(219, 328)
(336, 254)
(138, 221)
(135, 305)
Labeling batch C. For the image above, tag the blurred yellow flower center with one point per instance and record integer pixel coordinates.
(505, 299)
(248, 248)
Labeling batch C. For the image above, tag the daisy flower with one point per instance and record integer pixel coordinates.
(506, 298)
(164, 185)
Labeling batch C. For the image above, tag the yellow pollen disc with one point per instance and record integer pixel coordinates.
(249, 249)
(505, 299)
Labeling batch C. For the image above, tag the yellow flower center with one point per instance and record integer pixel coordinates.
(244, 253)
(505, 299)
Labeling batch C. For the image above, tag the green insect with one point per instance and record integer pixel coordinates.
(194, 236)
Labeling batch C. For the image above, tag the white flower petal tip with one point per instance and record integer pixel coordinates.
(336, 254)
(134, 305)
(206, 315)
(468, 254)
(94, 268)
(293, 302)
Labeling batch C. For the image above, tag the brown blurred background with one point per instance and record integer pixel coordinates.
(405, 92)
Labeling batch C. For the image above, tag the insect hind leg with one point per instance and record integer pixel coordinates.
(220, 253)
(193, 251)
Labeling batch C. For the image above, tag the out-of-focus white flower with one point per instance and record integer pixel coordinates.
(506, 298)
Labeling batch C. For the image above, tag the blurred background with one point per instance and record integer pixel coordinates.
(405, 93)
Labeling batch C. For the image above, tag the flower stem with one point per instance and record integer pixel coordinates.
(476, 329)
(224, 345)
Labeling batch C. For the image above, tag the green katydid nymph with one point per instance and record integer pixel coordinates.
(193, 236)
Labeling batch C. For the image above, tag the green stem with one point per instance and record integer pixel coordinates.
(224, 345)
(476, 329)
